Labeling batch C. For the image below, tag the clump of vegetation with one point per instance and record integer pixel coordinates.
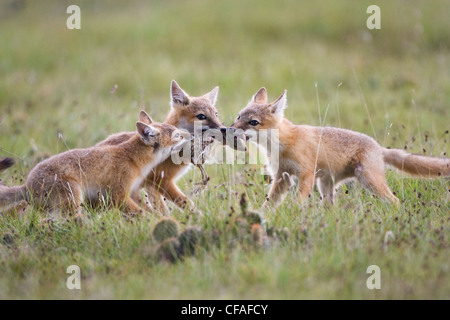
(169, 250)
(252, 217)
(245, 230)
(165, 229)
(173, 245)
(8, 239)
(247, 227)
(257, 233)
(190, 240)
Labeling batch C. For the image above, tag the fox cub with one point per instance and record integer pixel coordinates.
(328, 155)
(160, 182)
(62, 182)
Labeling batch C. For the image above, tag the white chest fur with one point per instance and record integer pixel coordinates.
(159, 157)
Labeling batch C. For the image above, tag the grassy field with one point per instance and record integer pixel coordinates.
(392, 84)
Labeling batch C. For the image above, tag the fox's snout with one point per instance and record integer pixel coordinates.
(216, 125)
(234, 138)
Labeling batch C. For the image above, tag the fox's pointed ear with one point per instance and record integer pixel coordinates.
(260, 96)
(278, 106)
(146, 131)
(212, 96)
(145, 118)
(177, 95)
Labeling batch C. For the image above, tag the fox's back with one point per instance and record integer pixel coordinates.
(116, 139)
(343, 140)
(77, 164)
(331, 148)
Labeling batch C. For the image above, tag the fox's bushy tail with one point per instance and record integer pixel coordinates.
(417, 165)
(12, 195)
(5, 163)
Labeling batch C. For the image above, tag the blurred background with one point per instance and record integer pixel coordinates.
(62, 89)
(391, 83)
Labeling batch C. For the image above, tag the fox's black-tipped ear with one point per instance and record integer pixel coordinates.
(212, 96)
(146, 131)
(279, 105)
(145, 118)
(177, 95)
(260, 96)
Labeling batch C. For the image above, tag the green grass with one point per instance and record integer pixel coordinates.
(55, 81)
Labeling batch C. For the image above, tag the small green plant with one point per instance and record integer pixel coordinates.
(257, 234)
(169, 250)
(165, 229)
(190, 239)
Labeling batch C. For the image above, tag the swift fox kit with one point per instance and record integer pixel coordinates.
(62, 182)
(185, 111)
(328, 155)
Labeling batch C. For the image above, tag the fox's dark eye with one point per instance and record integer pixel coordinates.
(201, 117)
(254, 123)
(239, 117)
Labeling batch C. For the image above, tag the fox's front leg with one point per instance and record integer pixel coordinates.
(174, 194)
(305, 185)
(279, 187)
(131, 207)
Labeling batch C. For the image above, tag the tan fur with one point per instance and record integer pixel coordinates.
(329, 156)
(62, 182)
(161, 182)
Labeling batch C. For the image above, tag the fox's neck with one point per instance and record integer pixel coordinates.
(277, 137)
(138, 152)
(173, 119)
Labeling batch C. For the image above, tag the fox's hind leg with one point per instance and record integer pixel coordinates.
(63, 197)
(374, 179)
